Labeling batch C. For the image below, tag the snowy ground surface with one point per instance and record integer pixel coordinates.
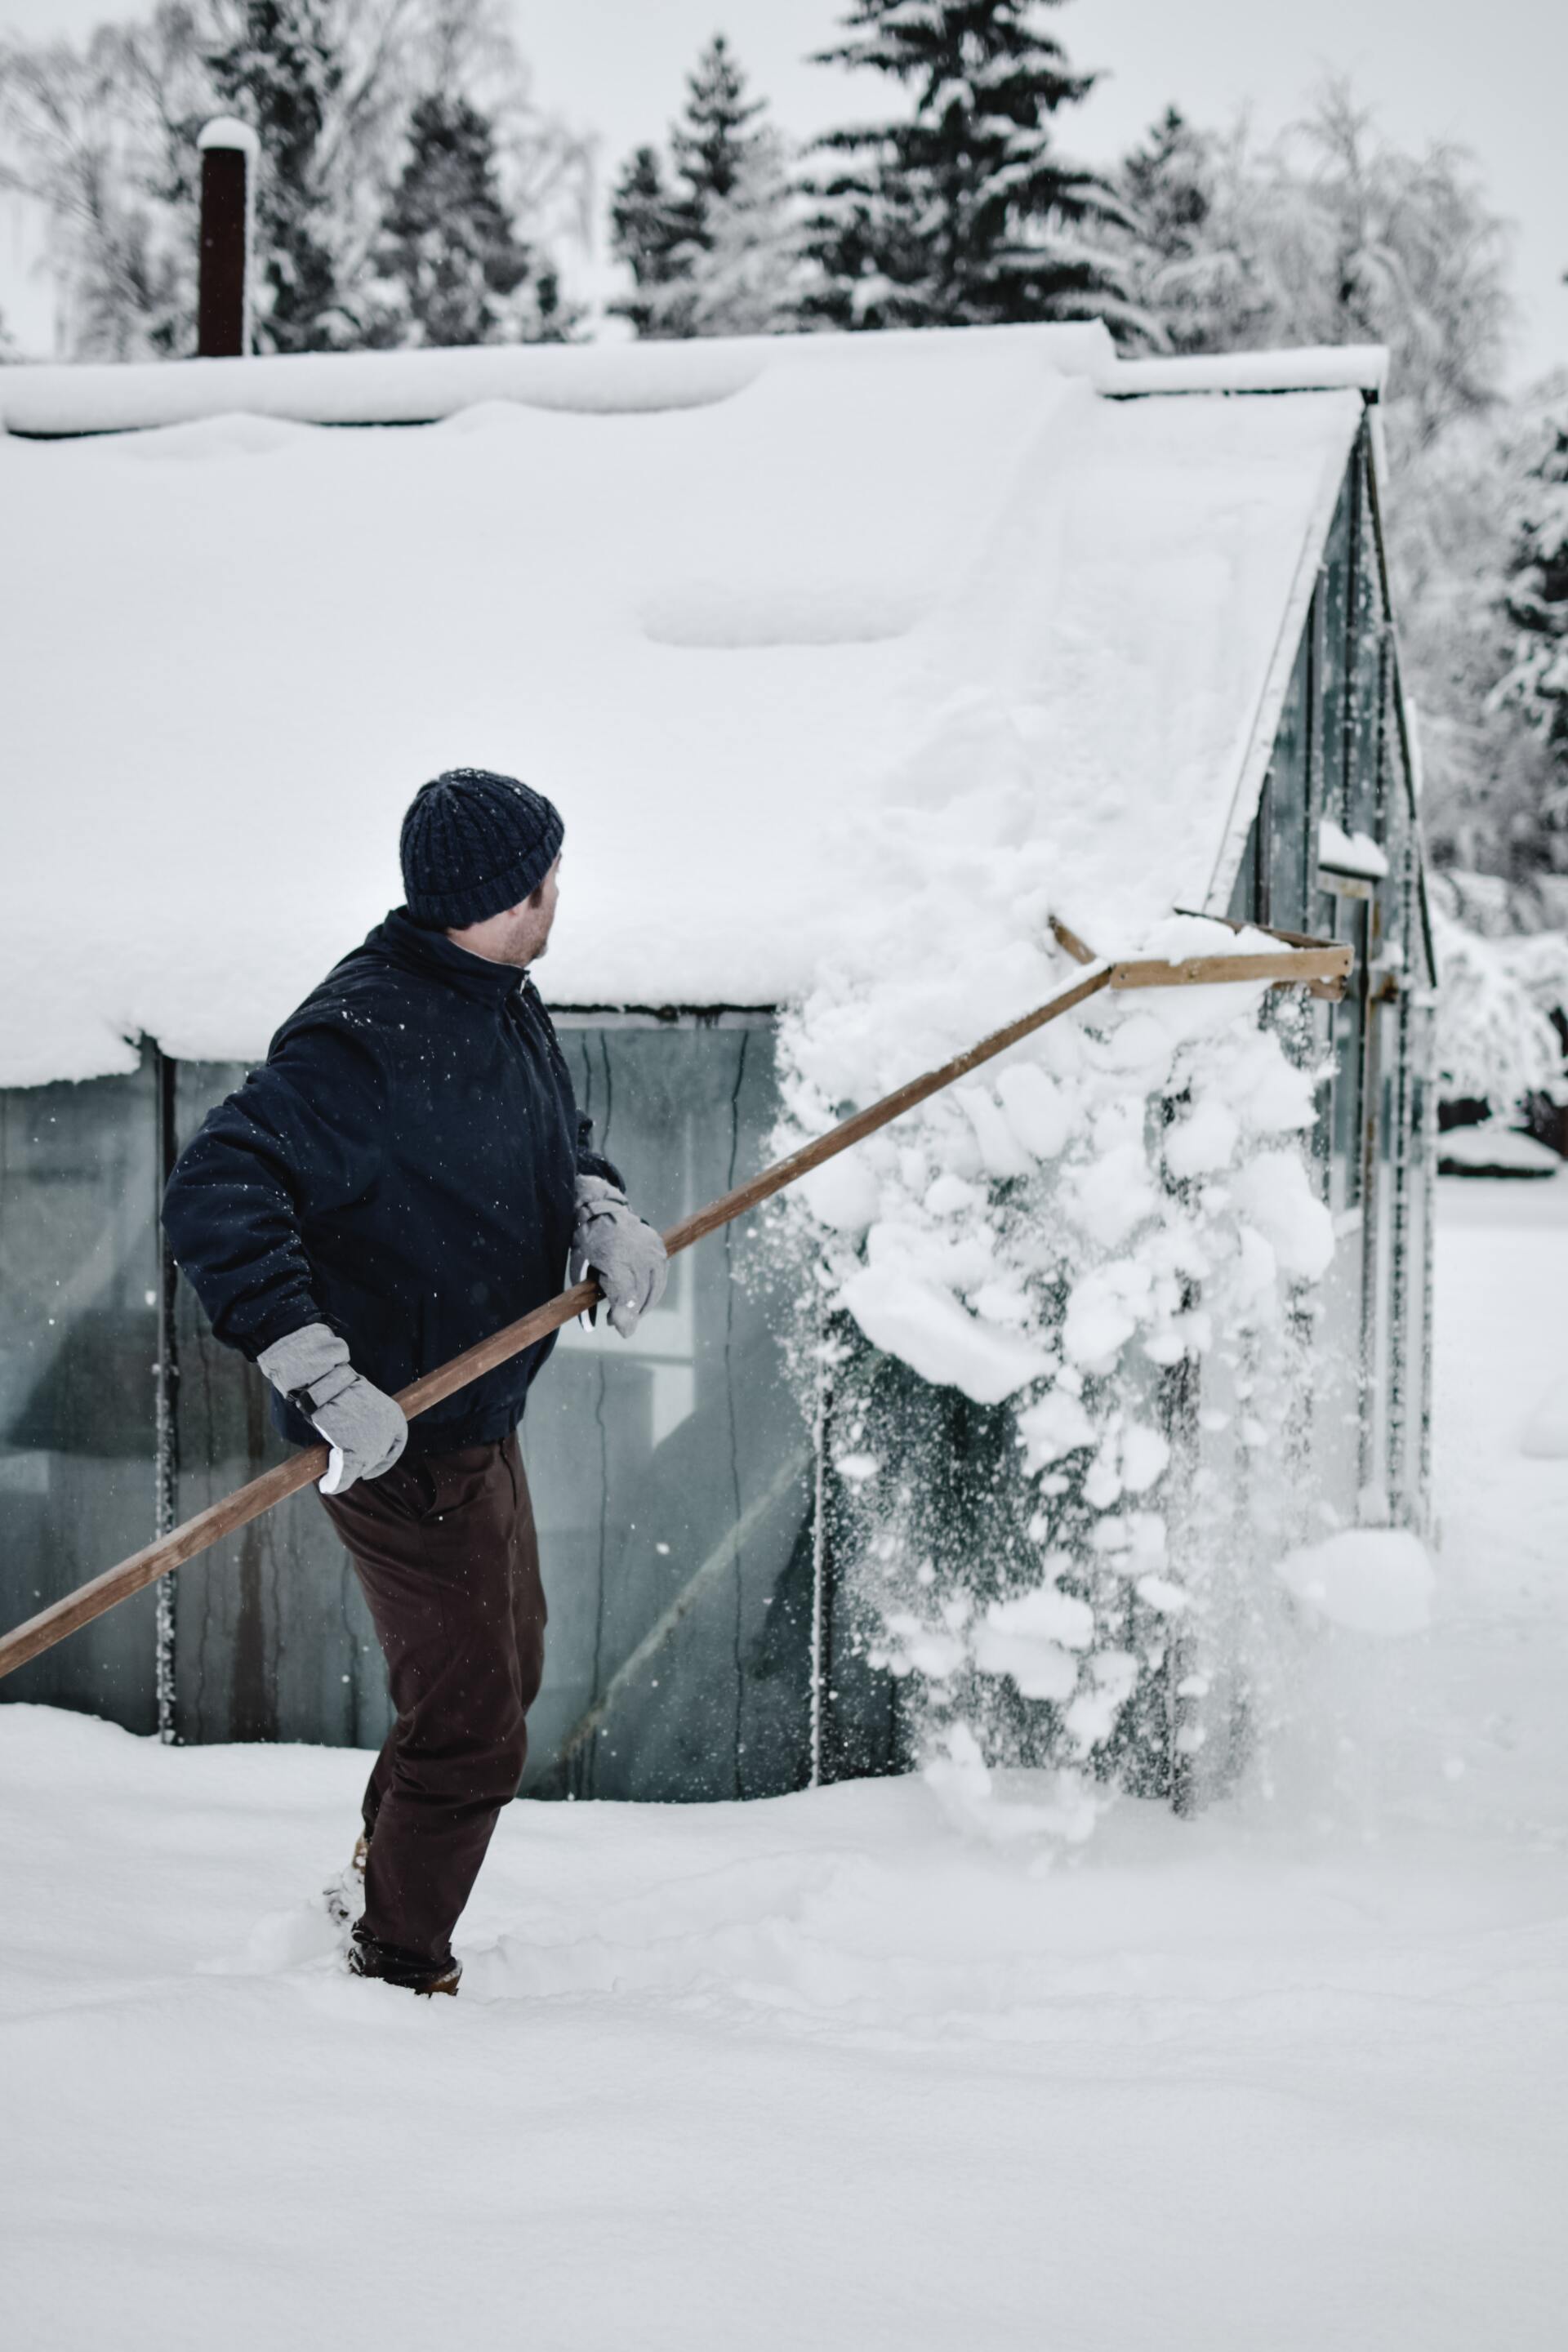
(818, 2071)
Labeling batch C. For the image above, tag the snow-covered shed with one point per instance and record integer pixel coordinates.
(737, 606)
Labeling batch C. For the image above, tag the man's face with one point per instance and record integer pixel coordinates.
(517, 935)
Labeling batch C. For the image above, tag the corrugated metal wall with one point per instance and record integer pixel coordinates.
(672, 1475)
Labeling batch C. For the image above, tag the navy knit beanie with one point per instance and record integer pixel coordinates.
(474, 843)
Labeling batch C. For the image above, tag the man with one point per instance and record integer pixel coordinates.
(407, 1174)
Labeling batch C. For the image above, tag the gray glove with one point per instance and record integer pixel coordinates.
(366, 1430)
(622, 1249)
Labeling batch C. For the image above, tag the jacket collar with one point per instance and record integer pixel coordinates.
(413, 948)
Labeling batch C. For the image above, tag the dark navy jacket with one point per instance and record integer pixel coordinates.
(403, 1167)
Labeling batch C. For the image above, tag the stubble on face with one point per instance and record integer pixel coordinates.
(518, 935)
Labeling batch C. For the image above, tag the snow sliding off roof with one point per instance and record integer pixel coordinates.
(725, 607)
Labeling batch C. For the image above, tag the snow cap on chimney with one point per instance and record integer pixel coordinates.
(226, 130)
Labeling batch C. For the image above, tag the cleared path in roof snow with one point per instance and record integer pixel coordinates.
(819, 2072)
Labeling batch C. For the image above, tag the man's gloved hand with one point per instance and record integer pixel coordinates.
(366, 1430)
(621, 1248)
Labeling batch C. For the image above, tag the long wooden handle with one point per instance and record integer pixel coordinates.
(171, 1551)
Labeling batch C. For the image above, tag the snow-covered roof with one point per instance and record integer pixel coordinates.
(419, 387)
(725, 602)
(1363, 367)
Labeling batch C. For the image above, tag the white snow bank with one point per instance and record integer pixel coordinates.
(1490, 1148)
(1284, 2076)
(693, 2039)
(1372, 1579)
(743, 609)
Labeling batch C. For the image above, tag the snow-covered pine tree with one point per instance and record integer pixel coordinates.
(713, 247)
(963, 214)
(281, 72)
(742, 274)
(650, 224)
(1537, 603)
(1170, 180)
(714, 141)
(451, 262)
(1182, 262)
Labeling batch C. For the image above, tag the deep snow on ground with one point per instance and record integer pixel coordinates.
(818, 2071)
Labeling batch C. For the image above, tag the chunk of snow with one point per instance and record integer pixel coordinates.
(1040, 1667)
(1350, 853)
(1002, 1302)
(1160, 1593)
(859, 1468)
(927, 1329)
(1046, 1614)
(1034, 1108)
(843, 1193)
(1134, 1541)
(1269, 1095)
(1103, 1312)
(1275, 1191)
(1257, 1268)
(1092, 1719)
(1372, 1579)
(1204, 1141)
(934, 1650)
(1140, 1046)
(948, 1195)
(1000, 1154)
(1110, 1196)
(1058, 1424)
(1145, 1454)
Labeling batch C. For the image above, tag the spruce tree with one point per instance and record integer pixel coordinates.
(710, 243)
(713, 145)
(964, 214)
(1168, 185)
(650, 225)
(449, 247)
(282, 73)
(1183, 263)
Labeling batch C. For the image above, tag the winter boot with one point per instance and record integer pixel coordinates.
(369, 1957)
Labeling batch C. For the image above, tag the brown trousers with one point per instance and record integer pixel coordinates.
(444, 1549)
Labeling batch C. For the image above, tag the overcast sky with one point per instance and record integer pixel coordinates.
(1495, 78)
